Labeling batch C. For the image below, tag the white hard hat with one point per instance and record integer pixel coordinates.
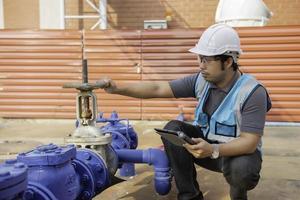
(218, 39)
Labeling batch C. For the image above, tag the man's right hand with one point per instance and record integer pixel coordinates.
(108, 85)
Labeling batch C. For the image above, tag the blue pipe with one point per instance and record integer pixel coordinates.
(155, 157)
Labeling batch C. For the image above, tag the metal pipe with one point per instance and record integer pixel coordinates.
(103, 14)
(155, 157)
(92, 5)
(1, 15)
(81, 17)
(84, 71)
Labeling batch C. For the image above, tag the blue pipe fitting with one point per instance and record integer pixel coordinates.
(36, 191)
(127, 169)
(50, 173)
(155, 157)
(13, 180)
(119, 141)
(93, 173)
(123, 137)
(122, 134)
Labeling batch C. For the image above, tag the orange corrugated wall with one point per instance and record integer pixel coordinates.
(33, 67)
(35, 64)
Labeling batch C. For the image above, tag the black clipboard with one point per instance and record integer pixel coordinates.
(176, 137)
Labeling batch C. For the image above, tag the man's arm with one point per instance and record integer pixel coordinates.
(245, 144)
(144, 90)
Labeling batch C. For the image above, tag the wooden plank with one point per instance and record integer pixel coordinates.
(113, 56)
(130, 43)
(269, 31)
(283, 90)
(40, 62)
(165, 70)
(40, 42)
(168, 56)
(32, 75)
(271, 54)
(31, 34)
(274, 69)
(36, 49)
(270, 61)
(44, 69)
(285, 104)
(170, 42)
(112, 34)
(271, 47)
(38, 55)
(174, 34)
(113, 49)
(283, 118)
(284, 111)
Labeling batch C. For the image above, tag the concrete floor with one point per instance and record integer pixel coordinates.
(280, 177)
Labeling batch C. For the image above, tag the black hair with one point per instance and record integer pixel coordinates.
(223, 58)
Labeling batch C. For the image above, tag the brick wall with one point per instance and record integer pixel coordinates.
(130, 14)
(286, 12)
(21, 14)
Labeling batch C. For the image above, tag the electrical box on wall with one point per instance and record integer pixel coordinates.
(155, 24)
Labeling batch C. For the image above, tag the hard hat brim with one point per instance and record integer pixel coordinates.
(196, 50)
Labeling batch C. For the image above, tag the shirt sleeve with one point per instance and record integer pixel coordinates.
(184, 87)
(254, 112)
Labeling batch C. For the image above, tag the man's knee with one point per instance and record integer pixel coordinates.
(170, 148)
(174, 125)
(240, 172)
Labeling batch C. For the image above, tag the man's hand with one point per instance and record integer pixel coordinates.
(108, 85)
(246, 143)
(201, 149)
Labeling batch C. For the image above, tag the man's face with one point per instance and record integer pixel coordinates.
(211, 68)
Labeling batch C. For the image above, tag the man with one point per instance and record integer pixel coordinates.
(229, 118)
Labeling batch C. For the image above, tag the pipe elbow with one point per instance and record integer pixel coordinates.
(159, 160)
(155, 157)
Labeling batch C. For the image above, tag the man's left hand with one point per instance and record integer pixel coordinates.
(201, 149)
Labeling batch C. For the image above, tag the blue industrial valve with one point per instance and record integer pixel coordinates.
(123, 136)
(13, 180)
(56, 173)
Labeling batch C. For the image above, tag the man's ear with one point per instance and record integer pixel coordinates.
(228, 63)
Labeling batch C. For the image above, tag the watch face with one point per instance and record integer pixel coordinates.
(215, 153)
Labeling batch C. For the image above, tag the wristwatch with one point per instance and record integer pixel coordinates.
(215, 153)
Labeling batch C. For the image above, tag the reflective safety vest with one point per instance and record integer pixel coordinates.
(225, 123)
